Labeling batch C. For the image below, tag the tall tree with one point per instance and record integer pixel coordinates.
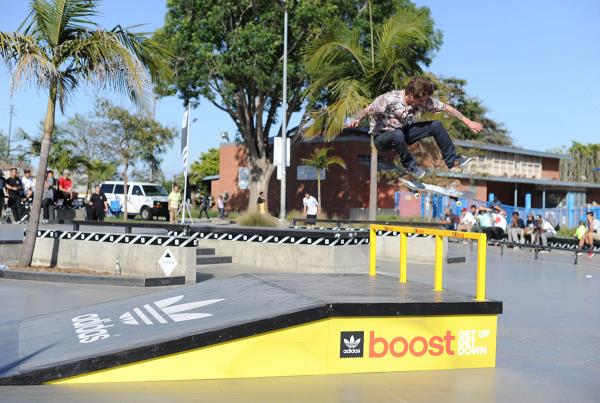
(452, 91)
(63, 151)
(129, 135)
(319, 160)
(59, 47)
(230, 52)
(4, 147)
(580, 167)
(350, 67)
(206, 165)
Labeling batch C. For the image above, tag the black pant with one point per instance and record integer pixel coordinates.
(46, 203)
(14, 201)
(98, 214)
(399, 139)
(204, 210)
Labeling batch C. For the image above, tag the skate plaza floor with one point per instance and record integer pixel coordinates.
(548, 347)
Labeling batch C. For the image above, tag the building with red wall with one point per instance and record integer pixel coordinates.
(509, 173)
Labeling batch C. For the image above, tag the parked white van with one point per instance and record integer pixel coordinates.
(146, 199)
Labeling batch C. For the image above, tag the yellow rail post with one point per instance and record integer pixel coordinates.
(372, 252)
(437, 274)
(403, 249)
(481, 260)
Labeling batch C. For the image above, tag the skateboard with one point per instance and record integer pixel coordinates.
(417, 187)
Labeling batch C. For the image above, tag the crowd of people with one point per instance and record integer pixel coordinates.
(494, 222)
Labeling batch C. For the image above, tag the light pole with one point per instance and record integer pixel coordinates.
(283, 123)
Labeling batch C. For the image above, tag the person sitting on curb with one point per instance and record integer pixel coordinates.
(467, 220)
(544, 230)
(592, 233)
(516, 231)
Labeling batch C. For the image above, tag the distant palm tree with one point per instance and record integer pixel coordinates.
(58, 47)
(319, 160)
(348, 72)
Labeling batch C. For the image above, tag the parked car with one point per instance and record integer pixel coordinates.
(146, 199)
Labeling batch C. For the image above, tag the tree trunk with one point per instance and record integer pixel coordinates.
(373, 182)
(34, 219)
(125, 189)
(260, 175)
(319, 188)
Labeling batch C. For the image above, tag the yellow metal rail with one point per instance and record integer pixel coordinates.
(439, 236)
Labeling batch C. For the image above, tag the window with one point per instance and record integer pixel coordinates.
(137, 191)
(153, 190)
(107, 188)
(118, 189)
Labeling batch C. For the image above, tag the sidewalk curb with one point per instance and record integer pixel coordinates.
(11, 274)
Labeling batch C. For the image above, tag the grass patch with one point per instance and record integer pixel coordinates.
(255, 219)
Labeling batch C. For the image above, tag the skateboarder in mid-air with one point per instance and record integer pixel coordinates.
(392, 120)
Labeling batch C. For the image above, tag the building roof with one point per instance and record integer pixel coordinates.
(542, 182)
(506, 149)
(360, 134)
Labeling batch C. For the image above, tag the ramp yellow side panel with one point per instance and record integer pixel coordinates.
(331, 346)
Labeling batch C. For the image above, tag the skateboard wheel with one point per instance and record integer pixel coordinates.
(458, 203)
(417, 196)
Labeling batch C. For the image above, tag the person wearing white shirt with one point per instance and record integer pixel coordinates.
(27, 181)
(546, 230)
(311, 209)
(466, 221)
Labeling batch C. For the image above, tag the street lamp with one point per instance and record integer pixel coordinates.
(225, 137)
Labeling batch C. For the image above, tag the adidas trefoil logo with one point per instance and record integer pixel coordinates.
(351, 343)
(177, 313)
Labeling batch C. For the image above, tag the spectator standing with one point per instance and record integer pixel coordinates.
(65, 188)
(99, 204)
(174, 202)
(221, 206)
(311, 209)
(204, 205)
(516, 231)
(260, 202)
(27, 181)
(2, 192)
(14, 189)
(48, 195)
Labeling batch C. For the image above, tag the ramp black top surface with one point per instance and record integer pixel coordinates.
(101, 336)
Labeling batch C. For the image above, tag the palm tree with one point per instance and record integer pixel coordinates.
(348, 72)
(59, 48)
(319, 160)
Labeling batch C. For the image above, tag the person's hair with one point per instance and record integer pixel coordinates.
(13, 169)
(590, 213)
(515, 213)
(419, 87)
(175, 185)
(472, 205)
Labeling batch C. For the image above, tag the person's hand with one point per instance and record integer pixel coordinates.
(354, 123)
(475, 127)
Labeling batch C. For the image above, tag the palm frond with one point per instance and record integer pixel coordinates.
(27, 59)
(335, 48)
(349, 99)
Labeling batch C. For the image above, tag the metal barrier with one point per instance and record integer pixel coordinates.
(439, 235)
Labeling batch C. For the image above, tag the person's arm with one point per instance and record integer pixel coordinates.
(475, 127)
(377, 106)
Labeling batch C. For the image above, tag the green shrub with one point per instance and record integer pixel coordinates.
(255, 219)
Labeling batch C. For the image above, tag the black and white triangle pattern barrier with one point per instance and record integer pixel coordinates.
(281, 239)
(132, 239)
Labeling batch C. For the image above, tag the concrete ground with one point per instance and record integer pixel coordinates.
(548, 345)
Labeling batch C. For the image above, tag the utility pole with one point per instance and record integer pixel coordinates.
(284, 157)
(11, 113)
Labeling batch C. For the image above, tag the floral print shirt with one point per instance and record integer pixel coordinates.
(389, 112)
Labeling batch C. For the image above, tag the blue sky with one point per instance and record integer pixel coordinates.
(535, 64)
